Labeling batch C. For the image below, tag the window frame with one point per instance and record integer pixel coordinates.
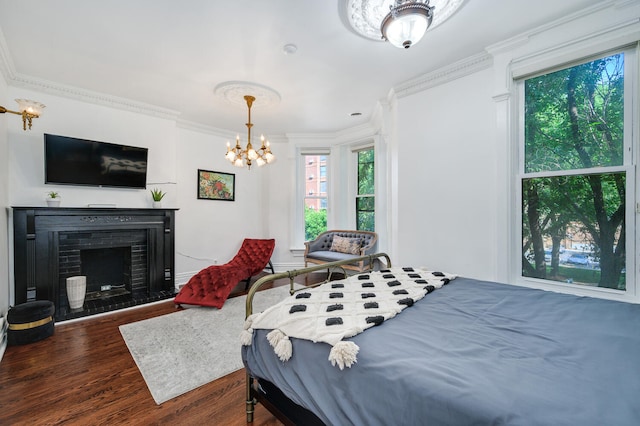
(302, 195)
(629, 166)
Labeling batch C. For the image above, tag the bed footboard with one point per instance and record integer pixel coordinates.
(251, 399)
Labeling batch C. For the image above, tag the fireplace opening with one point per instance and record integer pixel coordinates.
(108, 272)
(115, 264)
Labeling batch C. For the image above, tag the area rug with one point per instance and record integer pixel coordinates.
(181, 351)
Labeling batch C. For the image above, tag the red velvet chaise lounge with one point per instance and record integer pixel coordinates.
(211, 286)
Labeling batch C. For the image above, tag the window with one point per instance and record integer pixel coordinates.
(576, 174)
(365, 197)
(315, 200)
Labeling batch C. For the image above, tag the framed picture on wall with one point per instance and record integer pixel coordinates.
(216, 185)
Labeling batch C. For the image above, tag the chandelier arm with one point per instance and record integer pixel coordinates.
(3, 110)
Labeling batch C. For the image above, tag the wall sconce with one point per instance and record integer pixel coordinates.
(28, 110)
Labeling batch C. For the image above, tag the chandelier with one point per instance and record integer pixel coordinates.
(238, 156)
(406, 22)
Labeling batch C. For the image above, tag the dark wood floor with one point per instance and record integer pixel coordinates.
(84, 374)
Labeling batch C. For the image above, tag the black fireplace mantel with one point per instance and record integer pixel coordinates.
(39, 264)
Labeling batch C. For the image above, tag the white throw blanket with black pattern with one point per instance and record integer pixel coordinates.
(341, 309)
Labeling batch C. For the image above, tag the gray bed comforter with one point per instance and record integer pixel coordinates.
(474, 353)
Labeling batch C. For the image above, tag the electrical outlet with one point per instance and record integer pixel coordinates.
(105, 287)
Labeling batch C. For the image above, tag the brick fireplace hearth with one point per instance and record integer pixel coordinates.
(127, 256)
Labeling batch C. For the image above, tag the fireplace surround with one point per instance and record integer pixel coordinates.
(127, 256)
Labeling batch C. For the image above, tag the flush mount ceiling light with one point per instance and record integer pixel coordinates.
(27, 109)
(401, 22)
(406, 22)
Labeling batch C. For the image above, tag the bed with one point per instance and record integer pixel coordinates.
(470, 352)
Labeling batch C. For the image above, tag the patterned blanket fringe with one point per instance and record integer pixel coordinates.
(246, 335)
(344, 354)
(281, 344)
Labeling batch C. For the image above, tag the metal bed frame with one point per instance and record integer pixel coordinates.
(253, 395)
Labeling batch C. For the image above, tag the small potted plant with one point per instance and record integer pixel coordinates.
(157, 195)
(53, 199)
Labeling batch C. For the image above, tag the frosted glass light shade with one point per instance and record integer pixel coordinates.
(406, 23)
(269, 157)
(252, 154)
(31, 107)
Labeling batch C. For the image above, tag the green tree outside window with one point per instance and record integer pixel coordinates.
(573, 182)
(365, 198)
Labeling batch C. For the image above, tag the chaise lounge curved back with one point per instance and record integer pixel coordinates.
(211, 286)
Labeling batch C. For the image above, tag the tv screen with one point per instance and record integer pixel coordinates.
(84, 162)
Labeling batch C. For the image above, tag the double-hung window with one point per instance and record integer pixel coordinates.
(576, 173)
(365, 196)
(315, 194)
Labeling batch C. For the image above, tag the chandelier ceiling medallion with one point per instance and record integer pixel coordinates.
(239, 157)
(400, 22)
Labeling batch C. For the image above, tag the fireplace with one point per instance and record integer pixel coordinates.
(127, 256)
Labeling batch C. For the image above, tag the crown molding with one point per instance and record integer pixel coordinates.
(204, 128)
(97, 98)
(223, 133)
(445, 74)
(6, 63)
(594, 43)
(511, 43)
(15, 79)
(351, 134)
(484, 60)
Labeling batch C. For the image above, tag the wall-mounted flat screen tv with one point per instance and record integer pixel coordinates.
(75, 161)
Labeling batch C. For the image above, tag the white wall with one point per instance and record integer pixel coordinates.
(456, 145)
(278, 214)
(446, 178)
(205, 230)
(211, 230)
(4, 197)
(74, 118)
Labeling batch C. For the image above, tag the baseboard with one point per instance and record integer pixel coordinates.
(183, 278)
(283, 267)
(3, 336)
(3, 348)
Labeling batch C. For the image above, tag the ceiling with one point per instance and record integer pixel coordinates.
(173, 54)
